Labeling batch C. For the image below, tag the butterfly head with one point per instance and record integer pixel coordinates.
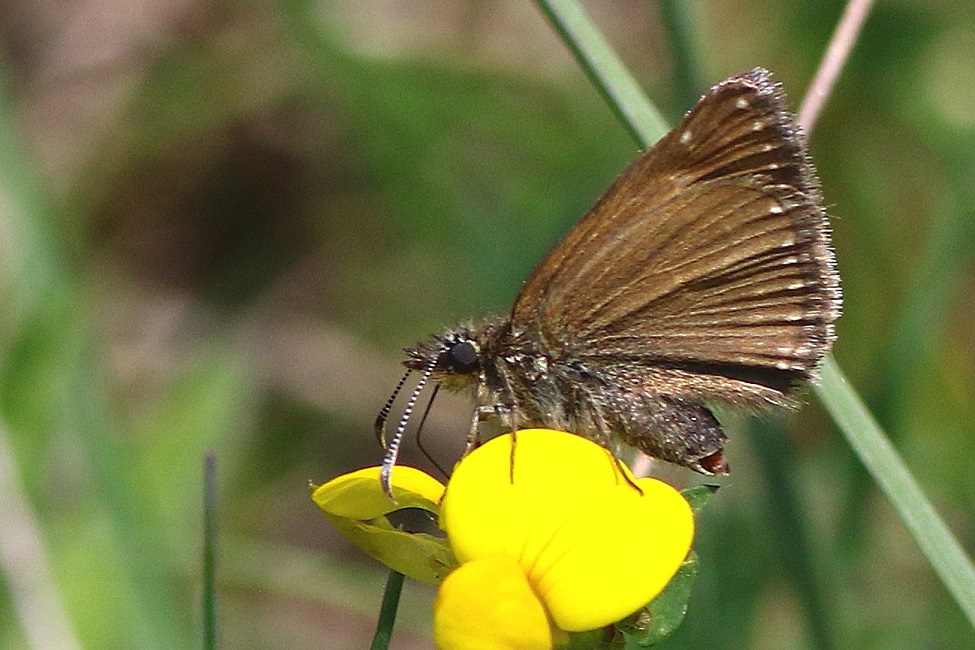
(455, 357)
(452, 360)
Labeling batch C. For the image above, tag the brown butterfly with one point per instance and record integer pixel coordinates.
(704, 276)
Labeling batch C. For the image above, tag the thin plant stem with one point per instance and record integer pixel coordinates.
(926, 302)
(209, 550)
(387, 613)
(837, 53)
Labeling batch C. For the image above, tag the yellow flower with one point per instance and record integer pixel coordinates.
(551, 537)
(593, 549)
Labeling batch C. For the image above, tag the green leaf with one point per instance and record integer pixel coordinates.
(664, 614)
(699, 496)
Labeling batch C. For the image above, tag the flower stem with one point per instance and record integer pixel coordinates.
(387, 613)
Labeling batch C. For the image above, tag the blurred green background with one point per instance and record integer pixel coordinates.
(220, 222)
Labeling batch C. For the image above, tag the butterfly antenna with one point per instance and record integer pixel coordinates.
(392, 449)
(380, 426)
(419, 432)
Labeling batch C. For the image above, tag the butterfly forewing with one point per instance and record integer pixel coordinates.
(713, 253)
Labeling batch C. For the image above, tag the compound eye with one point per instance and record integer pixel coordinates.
(462, 357)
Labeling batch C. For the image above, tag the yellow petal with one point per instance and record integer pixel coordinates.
(359, 495)
(615, 553)
(554, 461)
(488, 604)
(356, 505)
(485, 513)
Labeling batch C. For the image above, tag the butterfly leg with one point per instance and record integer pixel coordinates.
(509, 422)
(509, 419)
(473, 436)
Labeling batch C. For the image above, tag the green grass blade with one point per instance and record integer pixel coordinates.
(677, 18)
(886, 467)
(606, 71)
